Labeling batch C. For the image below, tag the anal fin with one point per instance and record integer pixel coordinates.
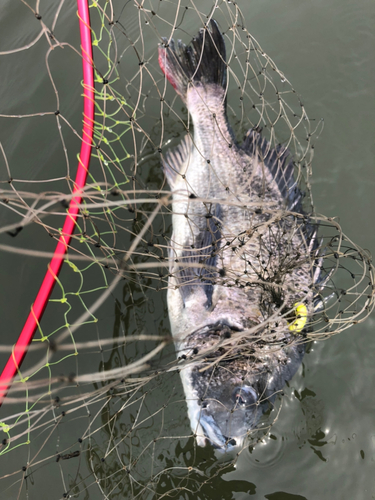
(176, 161)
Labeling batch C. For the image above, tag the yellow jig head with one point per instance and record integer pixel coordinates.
(301, 313)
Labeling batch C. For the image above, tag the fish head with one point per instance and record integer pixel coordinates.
(227, 417)
(223, 390)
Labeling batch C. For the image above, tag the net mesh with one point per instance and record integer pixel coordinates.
(98, 409)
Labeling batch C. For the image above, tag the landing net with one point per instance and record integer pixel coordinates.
(97, 409)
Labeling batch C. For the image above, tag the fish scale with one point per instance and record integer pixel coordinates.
(242, 255)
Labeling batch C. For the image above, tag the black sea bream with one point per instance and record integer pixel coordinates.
(243, 254)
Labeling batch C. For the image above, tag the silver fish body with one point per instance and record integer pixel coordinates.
(242, 255)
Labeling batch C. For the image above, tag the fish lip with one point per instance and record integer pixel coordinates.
(229, 445)
(215, 437)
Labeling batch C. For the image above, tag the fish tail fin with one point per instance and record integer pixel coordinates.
(201, 62)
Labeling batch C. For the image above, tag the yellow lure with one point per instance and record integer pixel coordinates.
(299, 324)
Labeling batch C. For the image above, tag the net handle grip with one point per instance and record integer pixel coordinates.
(37, 309)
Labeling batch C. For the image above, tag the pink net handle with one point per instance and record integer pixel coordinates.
(38, 307)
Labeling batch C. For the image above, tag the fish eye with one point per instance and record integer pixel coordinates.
(240, 400)
(204, 405)
(244, 396)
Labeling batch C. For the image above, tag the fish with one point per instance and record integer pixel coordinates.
(244, 265)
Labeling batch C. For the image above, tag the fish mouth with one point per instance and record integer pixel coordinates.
(213, 434)
(225, 422)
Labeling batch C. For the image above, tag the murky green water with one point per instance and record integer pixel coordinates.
(323, 443)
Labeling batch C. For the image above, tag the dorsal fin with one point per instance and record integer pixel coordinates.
(176, 160)
(279, 163)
